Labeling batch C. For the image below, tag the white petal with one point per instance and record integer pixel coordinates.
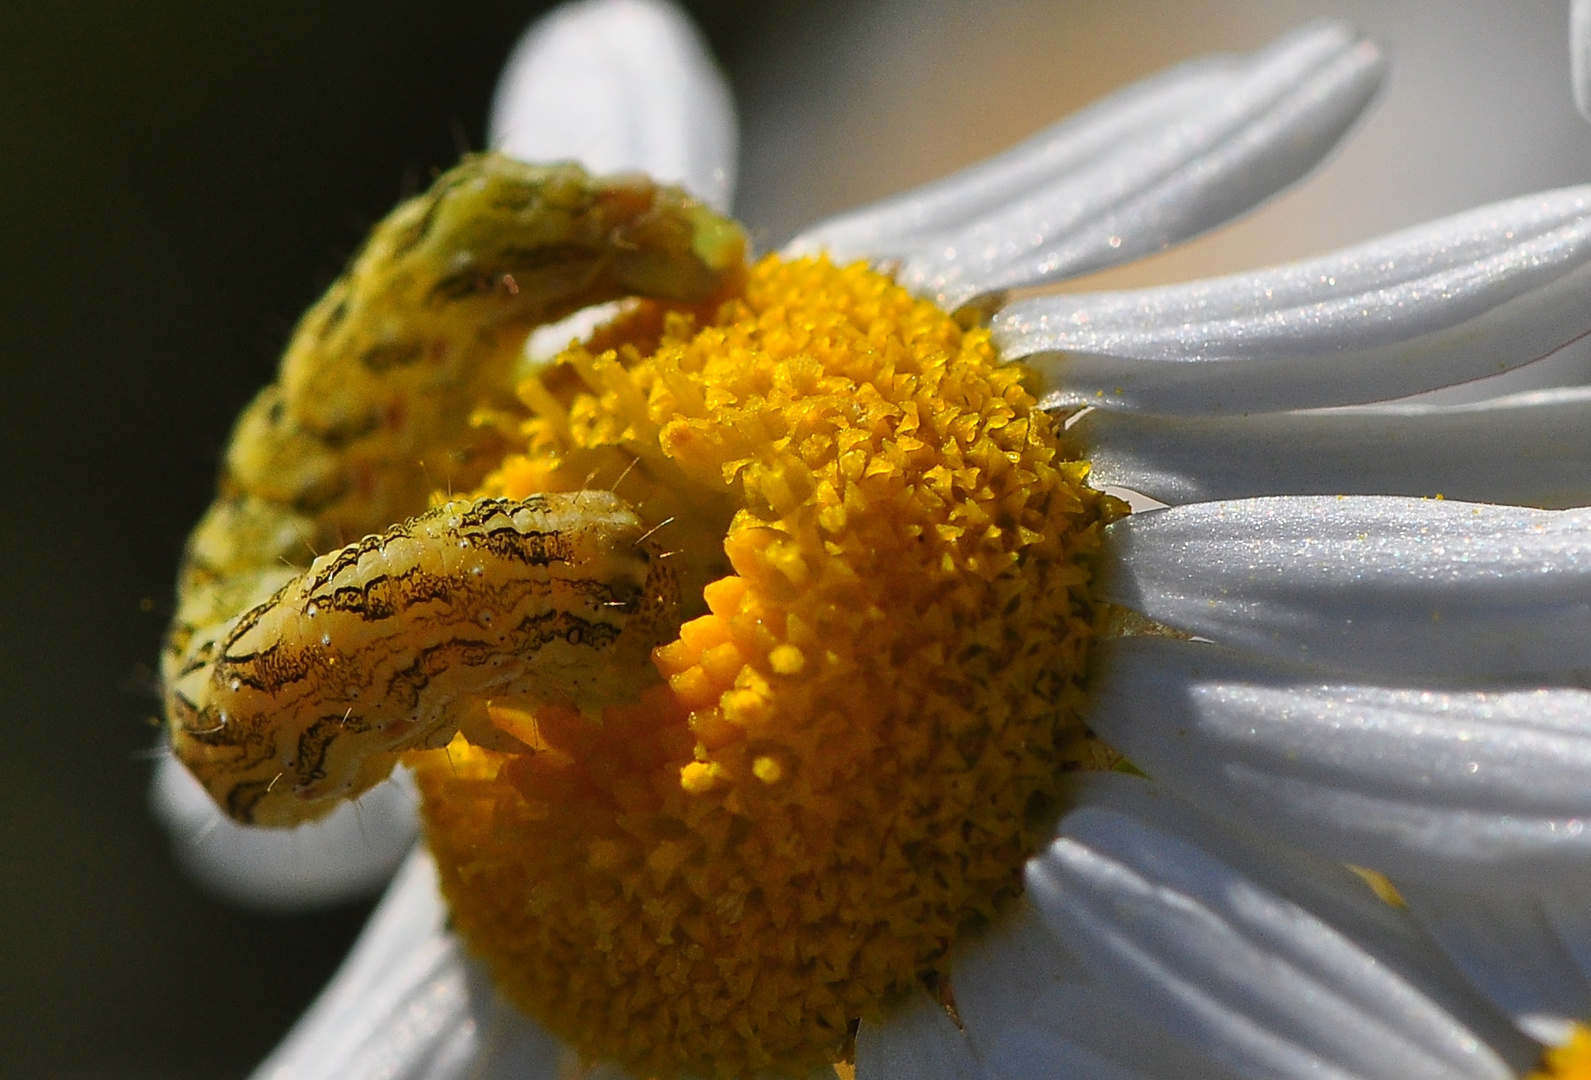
(1156, 164)
(1028, 1050)
(1528, 953)
(1445, 788)
(548, 340)
(1580, 55)
(1528, 449)
(350, 853)
(1031, 1012)
(1457, 299)
(620, 85)
(892, 227)
(1252, 978)
(1323, 886)
(1394, 588)
(916, 1041)
(1001, 972)
(408, 1005)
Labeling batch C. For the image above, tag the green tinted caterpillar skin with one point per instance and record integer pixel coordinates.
(388, 643)
(370, 413)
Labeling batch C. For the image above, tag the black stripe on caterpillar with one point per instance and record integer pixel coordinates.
(393, 643)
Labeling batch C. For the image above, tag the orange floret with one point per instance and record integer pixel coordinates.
(1571, 1061)
(847, 754)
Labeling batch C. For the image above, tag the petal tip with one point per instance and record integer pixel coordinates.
(620, 85)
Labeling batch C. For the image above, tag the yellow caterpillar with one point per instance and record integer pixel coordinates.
(370, 414)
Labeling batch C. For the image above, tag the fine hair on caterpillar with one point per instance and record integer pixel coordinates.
(289, 684)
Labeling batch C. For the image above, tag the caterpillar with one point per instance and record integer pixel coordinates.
(292, 681)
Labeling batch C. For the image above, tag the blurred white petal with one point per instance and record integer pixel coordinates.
(1580, 55)
(1378, 586)
(547, 341)
(1236, 967)
(348, 855)
(620, 86)
(408, 1005)
(1527, 953)
(1447, 788)
(916, 1040)
(1468, 296)
(1154, 165)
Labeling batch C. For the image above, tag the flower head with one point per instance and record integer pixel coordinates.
(823, 824)
(849, 757)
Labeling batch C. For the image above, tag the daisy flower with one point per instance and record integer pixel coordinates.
(917, 632)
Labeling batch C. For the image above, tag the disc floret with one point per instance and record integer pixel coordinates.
(846, 755)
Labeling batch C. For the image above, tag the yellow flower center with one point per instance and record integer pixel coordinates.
(1571, 1061)
(850, 749)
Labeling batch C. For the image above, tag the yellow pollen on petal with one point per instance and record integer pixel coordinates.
(1571, 1061)
(1379, 884)
(851, 747)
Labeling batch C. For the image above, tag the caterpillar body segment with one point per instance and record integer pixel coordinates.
(371, 413)
(389, 643)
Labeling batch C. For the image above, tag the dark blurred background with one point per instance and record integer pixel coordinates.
(178, 180)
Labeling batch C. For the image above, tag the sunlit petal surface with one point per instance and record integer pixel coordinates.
(1461, 298)
(620, 86)
(1444, 787)
(1529, 449)
(1403, 589)
(1155, 164)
